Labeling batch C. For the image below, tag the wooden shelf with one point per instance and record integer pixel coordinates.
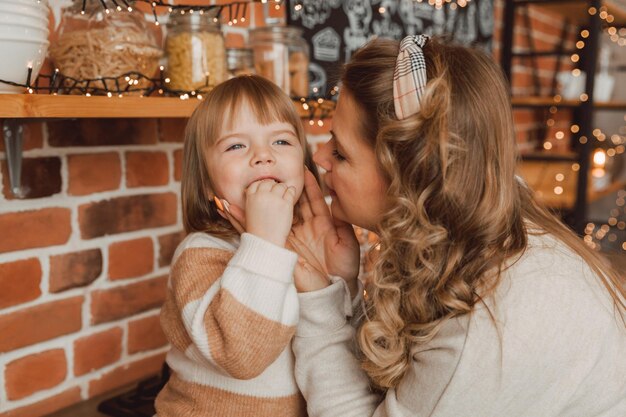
(541, 177)
(31, 106)
(20, 106)
(576, 12)
(550, 156)
(549, 101)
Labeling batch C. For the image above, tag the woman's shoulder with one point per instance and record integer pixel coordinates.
(547, 258)
(552, 279)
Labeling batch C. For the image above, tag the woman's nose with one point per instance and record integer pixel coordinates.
(322, 156)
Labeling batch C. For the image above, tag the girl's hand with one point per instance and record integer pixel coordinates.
(309, 275)
(269, 210)
(332, 242)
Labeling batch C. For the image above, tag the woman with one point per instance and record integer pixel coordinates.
(481, 302)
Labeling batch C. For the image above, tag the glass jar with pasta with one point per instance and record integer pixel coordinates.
(95, 46)
(196, 56)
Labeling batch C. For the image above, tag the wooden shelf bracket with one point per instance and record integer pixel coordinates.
(13, 131)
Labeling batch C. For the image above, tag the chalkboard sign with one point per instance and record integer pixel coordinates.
(335, 29)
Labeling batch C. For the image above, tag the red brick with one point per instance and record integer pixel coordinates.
(97, 350)
(172, 130)
(42, 322)
(34, 229)
(33, 136)
(120, 302)
(234, 40)
(93, 173)
(76, 269)
(178, 164)
(126, 374)
(27, 375)
(41, 177)
(132, 258)
(167, 246)
(102, 132)
(523, 117)
(46, 406)
(126, 214)
(20, 282)
(144, 169)
(145, 334)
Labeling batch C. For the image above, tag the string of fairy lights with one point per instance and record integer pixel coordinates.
(604, 147)
(617, 36)
(321, 104)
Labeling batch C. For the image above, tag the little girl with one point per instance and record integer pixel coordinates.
(231, 308)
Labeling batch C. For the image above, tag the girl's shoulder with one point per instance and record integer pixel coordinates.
(204, 240)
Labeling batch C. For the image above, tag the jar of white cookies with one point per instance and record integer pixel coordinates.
(196, 56)
(282, 55)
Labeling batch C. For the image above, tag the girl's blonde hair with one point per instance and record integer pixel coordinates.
(458, 215)
(269, 104)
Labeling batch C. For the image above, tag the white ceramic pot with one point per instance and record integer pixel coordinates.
(9, 15)
(43, 4)
(23, 41)
(22, 53)
(10, 7)
(23, 31)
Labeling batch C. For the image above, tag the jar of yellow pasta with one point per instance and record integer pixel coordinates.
(196, 56)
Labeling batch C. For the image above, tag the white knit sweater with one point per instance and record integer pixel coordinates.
(559, 349)
(230, 314)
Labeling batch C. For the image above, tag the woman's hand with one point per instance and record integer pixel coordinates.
(309, 275)
(331, 242)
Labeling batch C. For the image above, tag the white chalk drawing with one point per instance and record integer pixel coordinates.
(326, 45)
(451, 20)
(386, 27)
(314, 12)
(414, 15)
(359, 13)
(485, 18)
(335, 29)
(466, 31)
(318, 80)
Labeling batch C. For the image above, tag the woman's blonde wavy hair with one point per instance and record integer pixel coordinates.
(269, 103)
(458, 215)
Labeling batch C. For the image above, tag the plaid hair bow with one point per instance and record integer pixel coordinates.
(409, 78)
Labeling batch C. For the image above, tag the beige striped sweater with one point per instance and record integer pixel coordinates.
(229, 315)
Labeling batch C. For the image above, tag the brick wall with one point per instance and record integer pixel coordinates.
(84, 258)
(545, 33)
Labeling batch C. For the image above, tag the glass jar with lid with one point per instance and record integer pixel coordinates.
(103, 43)
(196, 56)
(239, 62)
(282, 55)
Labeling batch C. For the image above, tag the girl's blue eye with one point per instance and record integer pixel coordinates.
(282, 142)
(234, 147)
(338, 156)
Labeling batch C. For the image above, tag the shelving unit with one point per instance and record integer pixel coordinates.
(574, 197)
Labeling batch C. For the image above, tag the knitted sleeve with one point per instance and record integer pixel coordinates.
(330, 376)
(238, 310)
